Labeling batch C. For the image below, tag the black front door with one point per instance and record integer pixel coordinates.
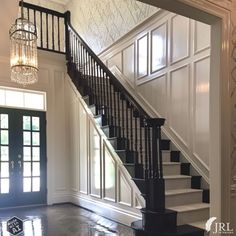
(22, 157)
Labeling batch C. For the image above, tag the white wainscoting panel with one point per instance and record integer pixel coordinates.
(83, 150)
(110, 171)
(171, 59)
(179, 103)
(154, 92)
(201, 109)
(179, 38)
(115, 60)
(105, 186)
(125, 190)
(142, 48)
(202, 36)
(129, 63)
(95, 161)
(159, 48)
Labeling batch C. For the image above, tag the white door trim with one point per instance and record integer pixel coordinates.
(220, 120)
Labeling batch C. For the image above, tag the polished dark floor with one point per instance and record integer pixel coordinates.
(62, 220)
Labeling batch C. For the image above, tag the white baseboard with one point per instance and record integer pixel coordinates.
(109, 211)
(59, 198)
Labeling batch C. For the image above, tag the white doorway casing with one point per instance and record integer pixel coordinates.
(219, 14)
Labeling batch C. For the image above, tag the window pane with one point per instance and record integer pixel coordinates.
(35, 123)
(26, 123)
(4, 169)
(27, 168)
(4, 137)
(14, 98)
(27, 138)
(27, 154)
(36, 184)
(27, 185)
(33, 100)
(36, 169)
(36, 154)
(4, 121)
(36, 141)
(4, 185)
(4, 153)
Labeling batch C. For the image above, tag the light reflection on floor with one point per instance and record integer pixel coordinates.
(62, 220)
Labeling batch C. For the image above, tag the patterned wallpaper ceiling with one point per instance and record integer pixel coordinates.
(63, 2)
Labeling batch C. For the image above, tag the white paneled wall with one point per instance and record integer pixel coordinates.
(98, 179)
(166, 60)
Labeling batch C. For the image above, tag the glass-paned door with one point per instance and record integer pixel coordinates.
(22, 157)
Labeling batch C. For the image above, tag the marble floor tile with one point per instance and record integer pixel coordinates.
(62, 220)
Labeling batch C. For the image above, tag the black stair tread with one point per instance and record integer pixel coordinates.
(182, 230)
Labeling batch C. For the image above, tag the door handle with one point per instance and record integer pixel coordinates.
(19, 162)
(12, 165)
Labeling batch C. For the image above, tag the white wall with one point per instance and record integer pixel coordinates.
(51, 80)
(167, 62)
(98, 179)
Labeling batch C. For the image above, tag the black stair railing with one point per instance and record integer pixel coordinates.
(121, 110)
(50, 27)
(139, 133)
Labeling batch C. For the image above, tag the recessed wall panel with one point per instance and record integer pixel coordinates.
(125, 192)
(158, 48)
(95, 161)
(116, 60)
(201, 109)
(109, 176)
(83, 153)
(179, 38)
(154, 92)
(202, 35)
(179, 103)
(142, 45)
(128, 63)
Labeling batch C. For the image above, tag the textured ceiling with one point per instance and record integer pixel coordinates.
(63, 2)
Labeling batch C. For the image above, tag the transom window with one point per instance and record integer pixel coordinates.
(20, 98)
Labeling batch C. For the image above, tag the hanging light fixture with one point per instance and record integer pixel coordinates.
(23, 51)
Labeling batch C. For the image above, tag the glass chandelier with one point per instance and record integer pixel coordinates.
(23, 51)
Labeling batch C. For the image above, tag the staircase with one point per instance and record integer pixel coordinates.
(175, 202)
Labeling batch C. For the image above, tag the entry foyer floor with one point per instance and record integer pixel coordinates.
(62, 220)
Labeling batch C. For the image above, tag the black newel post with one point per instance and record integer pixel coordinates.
(155, 197)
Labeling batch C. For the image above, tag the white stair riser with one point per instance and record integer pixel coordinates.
(171, 184)
(166, 156)
(171, 169)
(192, 216)
(181, 199)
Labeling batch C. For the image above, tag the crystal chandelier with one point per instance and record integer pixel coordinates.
(23, 51)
